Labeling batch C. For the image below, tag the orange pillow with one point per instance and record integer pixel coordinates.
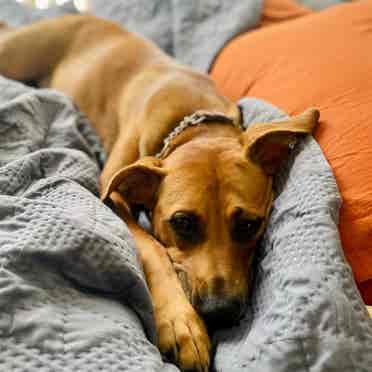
(322, 60)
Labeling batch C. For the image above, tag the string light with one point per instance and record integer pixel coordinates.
(42, 4)
(81, 5)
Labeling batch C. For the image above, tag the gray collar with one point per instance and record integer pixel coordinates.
(198, 117)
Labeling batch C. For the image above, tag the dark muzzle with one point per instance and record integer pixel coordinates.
(219, 312)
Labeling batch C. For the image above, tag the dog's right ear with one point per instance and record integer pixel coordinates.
(138, 183)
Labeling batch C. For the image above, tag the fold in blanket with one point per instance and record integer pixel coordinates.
(69, 272)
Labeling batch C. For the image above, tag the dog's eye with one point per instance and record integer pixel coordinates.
(185, 225)
(245, 229)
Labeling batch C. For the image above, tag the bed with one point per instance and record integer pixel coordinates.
(72, 290)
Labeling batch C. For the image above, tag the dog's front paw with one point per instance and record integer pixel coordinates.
(183, 337)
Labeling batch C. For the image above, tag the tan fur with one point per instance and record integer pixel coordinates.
(134, 95)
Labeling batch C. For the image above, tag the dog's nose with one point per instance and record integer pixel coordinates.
(219, 312)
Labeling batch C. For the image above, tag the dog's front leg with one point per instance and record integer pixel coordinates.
(182, 335)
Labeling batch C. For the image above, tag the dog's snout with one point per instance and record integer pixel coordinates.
(219, 312)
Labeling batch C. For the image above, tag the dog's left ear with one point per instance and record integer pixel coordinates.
(138, 183)
(269, 144)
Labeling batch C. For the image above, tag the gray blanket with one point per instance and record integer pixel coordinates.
(72, 292)
(193, 31)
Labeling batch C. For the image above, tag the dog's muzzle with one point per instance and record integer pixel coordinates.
(219, 312)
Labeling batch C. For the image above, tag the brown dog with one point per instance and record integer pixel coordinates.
(209, 192)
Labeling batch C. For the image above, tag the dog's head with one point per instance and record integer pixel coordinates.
(209, 202)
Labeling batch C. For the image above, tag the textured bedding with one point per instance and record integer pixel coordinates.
(306, 314)
(192, 31)
(72, 291)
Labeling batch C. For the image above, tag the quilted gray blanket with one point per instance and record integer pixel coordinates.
(193, 31)
(72, 291)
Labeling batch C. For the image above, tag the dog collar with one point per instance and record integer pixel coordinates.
(198, 117)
